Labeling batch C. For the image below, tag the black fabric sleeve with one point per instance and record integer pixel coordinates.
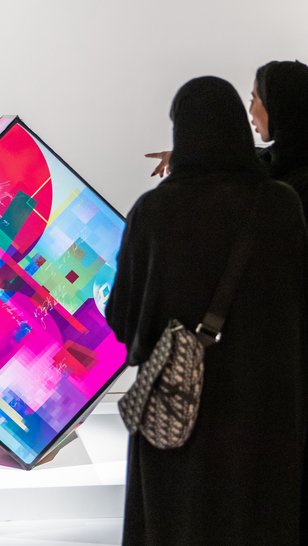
(125, 301)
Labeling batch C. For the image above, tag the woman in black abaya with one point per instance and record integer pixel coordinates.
(237, 481)
(279, 110)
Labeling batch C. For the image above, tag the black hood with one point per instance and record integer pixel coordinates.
(283, 89)
(211, 130)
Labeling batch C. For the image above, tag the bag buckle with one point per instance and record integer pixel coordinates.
(208, 331)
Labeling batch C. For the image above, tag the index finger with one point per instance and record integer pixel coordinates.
(157, 155)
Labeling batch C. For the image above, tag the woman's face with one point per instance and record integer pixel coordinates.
(259, 114)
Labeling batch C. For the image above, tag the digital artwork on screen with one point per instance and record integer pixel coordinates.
(58, 245)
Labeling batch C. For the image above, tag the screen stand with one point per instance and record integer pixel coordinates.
(55, 450)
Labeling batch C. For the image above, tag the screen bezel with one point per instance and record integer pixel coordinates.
(77, 419)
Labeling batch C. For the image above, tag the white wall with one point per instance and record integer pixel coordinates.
(95, 78)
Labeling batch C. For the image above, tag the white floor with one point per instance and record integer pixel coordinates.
(78, 498)
(63, 532)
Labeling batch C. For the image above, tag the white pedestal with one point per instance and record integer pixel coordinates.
(85, 480)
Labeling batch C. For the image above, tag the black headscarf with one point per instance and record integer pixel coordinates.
(211, 130)
(283, 89)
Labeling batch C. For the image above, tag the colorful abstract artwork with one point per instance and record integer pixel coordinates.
(58, 245)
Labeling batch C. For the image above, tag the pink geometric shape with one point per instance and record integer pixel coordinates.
(72, 276)
(29, 174)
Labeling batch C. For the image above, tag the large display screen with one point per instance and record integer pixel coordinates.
(58, 245)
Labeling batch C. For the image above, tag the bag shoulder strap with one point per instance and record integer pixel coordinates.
(209, 330)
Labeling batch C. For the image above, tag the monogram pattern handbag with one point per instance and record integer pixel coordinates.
(163, 402)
